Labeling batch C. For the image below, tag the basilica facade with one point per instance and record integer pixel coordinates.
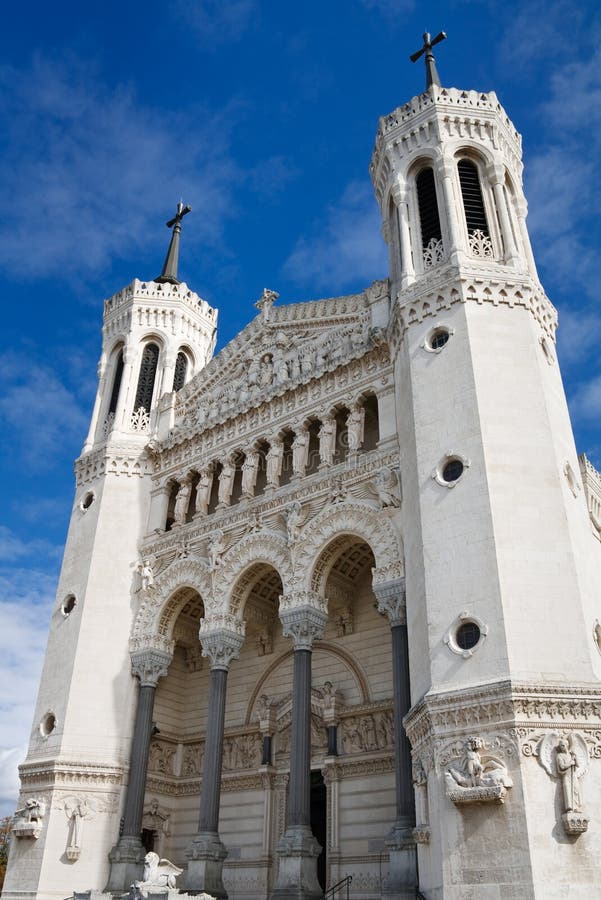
(329, 605)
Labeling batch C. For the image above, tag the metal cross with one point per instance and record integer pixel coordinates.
(431, 73)
(181, 212)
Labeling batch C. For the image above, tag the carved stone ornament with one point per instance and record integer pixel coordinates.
(482, 778)
(77, 810)
(391, 599)
(566, 758)
(159, 876)
(387, 487)
(149, 666)
(304, 616)
(28, 820)
(221, 638)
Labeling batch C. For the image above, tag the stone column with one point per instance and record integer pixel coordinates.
(446, 171)
(496, 176)
(221, 641)
(304, 617)
(400, 841)
(127, 857)
(159, 506)
(521, 209)
(102, 381)
(407, 268)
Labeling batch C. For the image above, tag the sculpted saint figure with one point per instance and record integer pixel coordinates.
(567, 765)
(216, 548)
(266, 371)
(145, 569)
(203, 492)
(300, 445)
(327, 441)
(274, 461)
(249, 473)
(181, 502)
(226, 482)
(293, 517)
(355, 425)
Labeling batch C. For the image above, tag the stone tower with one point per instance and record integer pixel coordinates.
(156, 336)
(502, 579)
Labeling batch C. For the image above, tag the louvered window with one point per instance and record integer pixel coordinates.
(473, 203)
(148, 370)
(179, 376)
(428, 207)
(116, 384)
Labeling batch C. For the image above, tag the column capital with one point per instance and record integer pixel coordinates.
(149, 665)
(398, 189)
(495, 173)
(391, 600)
(304, 616)
(221, 638)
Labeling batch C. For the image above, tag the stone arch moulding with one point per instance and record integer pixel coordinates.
(355, 519)
(268, 548)
(155, 619)
(326, 647)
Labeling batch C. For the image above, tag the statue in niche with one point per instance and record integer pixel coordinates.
(281, 373)
(146, 572)
(266, 371)
(567, 760)
(264, 642)
(274, 461)
(355, 424)
(253, 372)
(181, 502)
(203, 492)
(216, 548)
(327, 441)
(343, 620)
(158, 873)
(386, 484)
(481, 777)
(226, 481)
(300, 446)
(249, 473)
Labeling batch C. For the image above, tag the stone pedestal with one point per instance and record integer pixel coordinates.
(205, 865)
(401, 883)
(297, 852)
(127, 862)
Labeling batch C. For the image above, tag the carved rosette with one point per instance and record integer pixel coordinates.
(221, 638)
(391, 598)
(149, 665)
(304, 616)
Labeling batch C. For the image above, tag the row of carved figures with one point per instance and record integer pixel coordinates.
(330, 439)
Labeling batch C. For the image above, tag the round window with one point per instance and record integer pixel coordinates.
(467, 635)
(68, 605)
(452, 470)
(48, 724)
(439, 338)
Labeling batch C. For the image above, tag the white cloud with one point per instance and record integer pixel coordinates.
(89, 173)
(348, 247)
(38, 410)
(25, 600)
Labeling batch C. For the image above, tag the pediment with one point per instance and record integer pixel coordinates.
(274, 353)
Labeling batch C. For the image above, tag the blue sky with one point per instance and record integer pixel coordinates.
(262, 116)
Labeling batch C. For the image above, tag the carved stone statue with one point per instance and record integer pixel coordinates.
(77, 810)
(266, 371)
(250, 467)
(226, 482)
(482, 777)
(181, 502)
(203, 492)
(386, 484)
(158, 873)
(216, 548)
(274, 461)
(300, 446)
(355, 426)
(265, 642)
(145, 569)
(28, 820)
(293, 519)
(567, 760)
(327, 441)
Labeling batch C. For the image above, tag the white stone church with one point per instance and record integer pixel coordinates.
(329, 610)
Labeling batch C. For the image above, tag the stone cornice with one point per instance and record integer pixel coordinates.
(129, 459)
(61, 773)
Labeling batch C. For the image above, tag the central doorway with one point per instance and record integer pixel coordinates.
(319, 822)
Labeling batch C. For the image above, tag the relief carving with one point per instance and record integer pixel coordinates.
(481, 777)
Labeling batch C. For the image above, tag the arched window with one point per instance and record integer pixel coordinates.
(473, 205)
(116, 384)
(148, 371)
(429, 218)
(179, 375)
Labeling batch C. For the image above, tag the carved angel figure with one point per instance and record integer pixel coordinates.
(146, 572)
(77, 809)
(158, 873)
(479, 770)
(293, 519)
(567, 760)
(216, 548)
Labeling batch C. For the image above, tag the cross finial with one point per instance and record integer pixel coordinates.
(431, 73)
(169, 273)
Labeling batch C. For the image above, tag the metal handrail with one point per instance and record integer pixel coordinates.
(339, 885)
